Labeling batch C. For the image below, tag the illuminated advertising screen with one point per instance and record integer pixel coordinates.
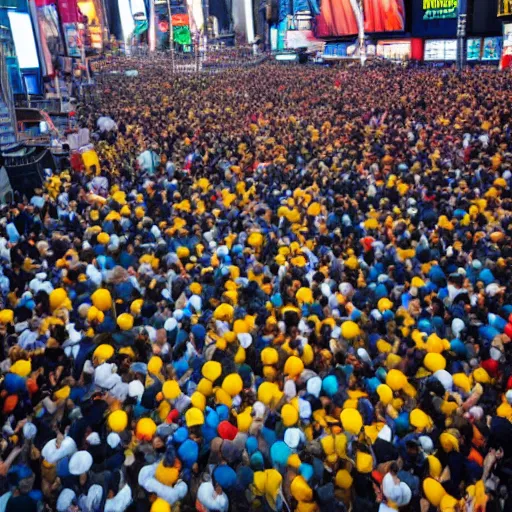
(492, 48)
(441, 50)
(507, 45)
(474, 48)
(336, 49)
(138, 9)
(24, 41)
(337, 17)
(434, 50)
(140, 16)
(507, 35)
(440, 9)
(49, 26)
(450, 50)
(94, 25)
(303, 39)
(504, 7)
(127, 22)
(72, 39)
(51, 41)
(428, 23)
(162, 25)
(397, 50)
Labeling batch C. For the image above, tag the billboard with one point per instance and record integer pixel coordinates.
(336, 49)
(243, 20)
(94, 25)
(507, 34)
(504, 7)
(474, 47)
(506, 60)
(72, 39)
(50, 37)
(337, 17)
(430, 27)
(303, 39)
(162, 25)
(396, 50)
(127, 21)
(492, 48)
(440, 9)
(24, 41)
(440, 50)
(68, 11)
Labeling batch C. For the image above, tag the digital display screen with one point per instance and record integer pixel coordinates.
(24, 41)
(50, 39)
(492, 48)
(507, 39)
(49, 26)
(450, 50)
(337, 17)
(336, 49)
(138, 9)
(473, 49)
(72, 39)
(31, 84)
(507, 34)
(394, 50)
(286, 57)
(440, 9)
(434, 50)
(504, 7)
(441, 50)
(125, 14)
(303, 39)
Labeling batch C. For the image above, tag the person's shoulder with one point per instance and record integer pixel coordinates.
(17, 503)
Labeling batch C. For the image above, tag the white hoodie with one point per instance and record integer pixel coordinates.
(212, 501)
(120, 502)
(170, 494)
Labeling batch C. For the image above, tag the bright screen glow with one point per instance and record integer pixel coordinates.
(474, 48)
(507, 34)
(138, 9)
(337, 17)
(450, 50)
(492, 48)
(126, 18)
(394, 49)
(286, 56)
(440, 50)
(24, 41)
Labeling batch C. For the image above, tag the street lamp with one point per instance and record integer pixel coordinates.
(461, 31)
(171, 35)
(358, 8)
(461, 34)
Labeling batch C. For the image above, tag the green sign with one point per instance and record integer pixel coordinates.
(440, 9)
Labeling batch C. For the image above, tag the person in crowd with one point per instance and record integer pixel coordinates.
(301, 303)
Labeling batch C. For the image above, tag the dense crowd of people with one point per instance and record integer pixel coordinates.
(277, 288)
